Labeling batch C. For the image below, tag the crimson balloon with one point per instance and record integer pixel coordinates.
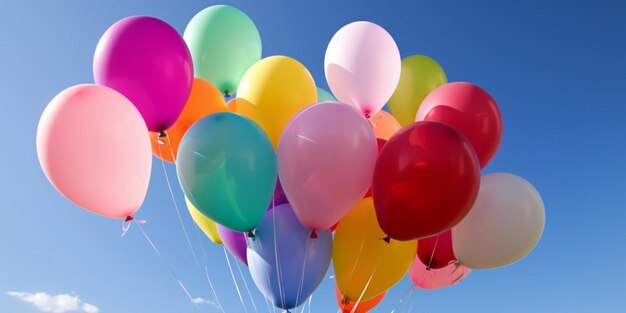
(469, 109)
(425, 181)
(436, 251)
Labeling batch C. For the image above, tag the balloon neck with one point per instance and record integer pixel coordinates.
(313, 235)
(227, 94)
(387, 239)
(345, 301)
(161, 138)
(367, 115)
(251, 234)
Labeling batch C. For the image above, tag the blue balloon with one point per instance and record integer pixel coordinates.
(286, 264)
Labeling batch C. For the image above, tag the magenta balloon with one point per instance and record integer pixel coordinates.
(446, 276)
(326, 158)
(146, 60)
(235, 242)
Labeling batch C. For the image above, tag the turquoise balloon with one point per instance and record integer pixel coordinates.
(227, 169)
(224, 43)
(323, 95)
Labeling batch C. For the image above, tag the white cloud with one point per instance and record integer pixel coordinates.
(55, 304)
(200, 300)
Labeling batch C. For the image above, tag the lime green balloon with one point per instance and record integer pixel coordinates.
(419, 76)
(224, 43)
(227, 168)
(323, 95)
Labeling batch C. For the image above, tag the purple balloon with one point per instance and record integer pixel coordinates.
(235, 242)
(146, 60)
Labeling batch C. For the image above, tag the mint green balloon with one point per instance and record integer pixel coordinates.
(227, 168)
(224, 43)
(323, 95)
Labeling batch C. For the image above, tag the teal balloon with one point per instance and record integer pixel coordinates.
(224, 43)
(323, 95)
(227, 169)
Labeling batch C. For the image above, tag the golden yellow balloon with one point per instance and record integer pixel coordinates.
(365, 264)
(272, 91)
(419, 76)
(205, 223)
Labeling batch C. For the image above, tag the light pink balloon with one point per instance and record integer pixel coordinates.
(362, 66)
(326, 158)
(426, 278)
(94, 147)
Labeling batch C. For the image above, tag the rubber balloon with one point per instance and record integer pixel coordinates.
(419, 76)
(362, 66)
(235, 242)
(347, 306)
(227, 169)
(146, 60)
(272, 91)
(425, 181)
(325, 171)
(469, 109)
(285, 264)
(365, 264)
(224, 44)
(436, 251)
(94, 148)
(323, 95)
(203, 100)
(430, 278)
(504, 225)
(384, 125)
(207, 226)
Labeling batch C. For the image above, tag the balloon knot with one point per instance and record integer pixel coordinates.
(161, 138)
(129, 218)
(387, 239)
(313, 235)
(227, 94)
(367, 116)
(251, 234)
(345, 300)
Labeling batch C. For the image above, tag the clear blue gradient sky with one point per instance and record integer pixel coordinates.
(556, 68)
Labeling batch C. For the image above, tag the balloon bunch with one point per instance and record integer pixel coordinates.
(271, 172)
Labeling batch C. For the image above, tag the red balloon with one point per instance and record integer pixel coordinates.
(469, 109)
(425, 181)
(436, 251)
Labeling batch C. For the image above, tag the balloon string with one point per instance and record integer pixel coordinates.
(127, 222)
(247, 288)
(432, 255)
(369, 280)
(182, 224)
(310, 300)
(306, 246)
(356, 262)
(169, 267)
(279, 270)
(234, 280)
(407, 293)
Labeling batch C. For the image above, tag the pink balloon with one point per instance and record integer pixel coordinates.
(326, 157)
(94, 147)
(362, 66)
(446, 276)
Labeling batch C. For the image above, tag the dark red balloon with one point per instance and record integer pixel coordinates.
(425, 181)
(469, 109)
(436, 251)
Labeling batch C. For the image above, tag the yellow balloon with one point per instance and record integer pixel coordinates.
(362, 259)
(272, 91)
(205, 223)
(419, 76)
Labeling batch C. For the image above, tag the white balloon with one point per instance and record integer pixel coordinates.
(504, 224)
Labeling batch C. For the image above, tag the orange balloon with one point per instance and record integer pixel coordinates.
(204, 99)
(384, 125)
(346, 305)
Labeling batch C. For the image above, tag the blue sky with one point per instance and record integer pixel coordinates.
(556, 68)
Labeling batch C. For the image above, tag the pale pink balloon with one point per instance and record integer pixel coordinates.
(326, 158)
(94, 147)
(362, 66)
(426, 278)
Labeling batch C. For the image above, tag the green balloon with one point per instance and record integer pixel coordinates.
(227, 169)
(323, 95)
(224, 43)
